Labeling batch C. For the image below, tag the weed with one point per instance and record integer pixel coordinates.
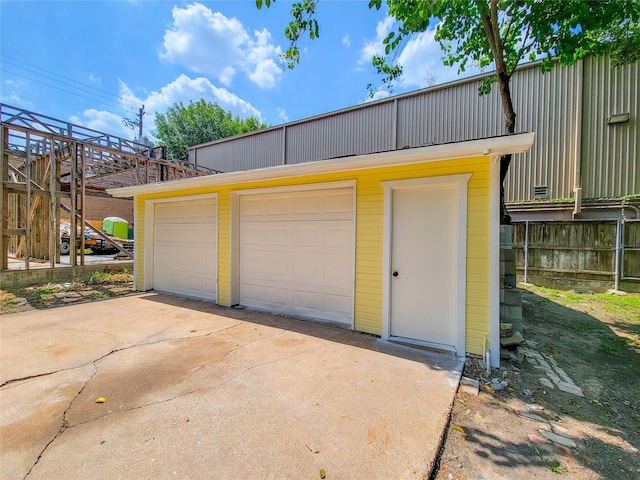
(46, 290)
(100, 295)
(553, 465)
(104, 277)
(99, 277)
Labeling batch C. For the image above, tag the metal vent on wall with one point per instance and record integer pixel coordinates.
(541, 192)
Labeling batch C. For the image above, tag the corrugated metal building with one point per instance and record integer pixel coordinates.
(582, 164)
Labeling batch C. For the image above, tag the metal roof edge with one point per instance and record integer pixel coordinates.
(494, 147)
(366, 104)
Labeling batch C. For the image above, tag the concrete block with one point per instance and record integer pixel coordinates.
(545, 382)
(569, 388)
(510, 281)
(559, 439)
(469, 385)
(517, 355)
(510, 313)
(507, 255)
(506, 236)
(512, 297)
(533, 416)
(515, 339)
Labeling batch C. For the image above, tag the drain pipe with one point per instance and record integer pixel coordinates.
(526, 252)
(577, 138)
(487, 355)
(616, 270)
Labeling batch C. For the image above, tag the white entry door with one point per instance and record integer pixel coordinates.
(296, 252)
(424, 258)
(185, 248)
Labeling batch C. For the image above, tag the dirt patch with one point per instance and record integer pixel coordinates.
(101, 286)
(532, 428)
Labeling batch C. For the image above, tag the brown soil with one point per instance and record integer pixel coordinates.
(489, 438)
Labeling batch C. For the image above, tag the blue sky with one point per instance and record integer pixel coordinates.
(95, 62)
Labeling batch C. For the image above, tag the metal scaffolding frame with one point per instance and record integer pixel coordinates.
(45, 160)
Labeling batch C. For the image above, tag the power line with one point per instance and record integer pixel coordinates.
(111, 105)
(16, 63)
(56, 80)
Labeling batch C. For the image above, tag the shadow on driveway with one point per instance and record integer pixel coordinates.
(194, 390)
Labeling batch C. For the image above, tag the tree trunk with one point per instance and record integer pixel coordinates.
(510, 126)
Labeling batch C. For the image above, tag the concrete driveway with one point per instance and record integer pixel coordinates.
(198, 391)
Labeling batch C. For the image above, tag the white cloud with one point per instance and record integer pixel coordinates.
(421, 60)
(282, 115)
(12, 94)
(183, 89)
(104, 122)
(420, 57)
(346, 41)
(209, 43)
(376, 46)
(95, 79)
(380, 93)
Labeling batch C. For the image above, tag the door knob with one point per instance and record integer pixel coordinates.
(395, 274)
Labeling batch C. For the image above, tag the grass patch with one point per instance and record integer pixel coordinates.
(553, 465)
(100, 295)
(625, 308)
(616, 344)
(98, 278)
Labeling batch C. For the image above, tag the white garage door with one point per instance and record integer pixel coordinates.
(297, 253)
(186, 249)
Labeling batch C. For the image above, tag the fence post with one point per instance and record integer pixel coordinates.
(526, 252)
(616, 274)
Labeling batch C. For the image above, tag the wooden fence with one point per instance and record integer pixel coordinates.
(598, 255)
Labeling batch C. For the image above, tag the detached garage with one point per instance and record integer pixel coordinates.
(401, 244)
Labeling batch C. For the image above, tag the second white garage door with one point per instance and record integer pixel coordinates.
(185, 256)
(297, 253)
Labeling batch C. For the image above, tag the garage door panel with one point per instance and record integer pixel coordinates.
(278, 267)
(277, 236)
(339, 202)
(337, 271)
(185, 248)
(279, 205)
(337, 305)
(307, 203)
(253, 266)
(252, 235)
(338, 236)
(297, 253)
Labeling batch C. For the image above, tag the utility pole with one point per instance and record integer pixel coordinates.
(140, 115)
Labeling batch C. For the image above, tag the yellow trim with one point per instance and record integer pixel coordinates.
(369, 235)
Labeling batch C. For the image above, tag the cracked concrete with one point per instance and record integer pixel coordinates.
(194, 390)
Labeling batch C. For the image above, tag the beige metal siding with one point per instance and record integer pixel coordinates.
(448, 115)
(610, 153)
(354, 132)
(547, 105)
(263, 149)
